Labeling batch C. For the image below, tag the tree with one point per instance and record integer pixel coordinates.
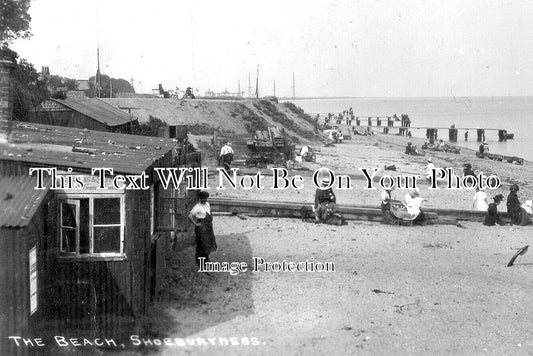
(14, 20)
(57, 81)
(119, 86)
(150, 128)
(28, 90)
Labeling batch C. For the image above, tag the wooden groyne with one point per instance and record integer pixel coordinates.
(432, 132)
(350, 212)
(402, 126)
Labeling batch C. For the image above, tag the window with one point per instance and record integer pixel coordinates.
(171, 211)
(91, 225)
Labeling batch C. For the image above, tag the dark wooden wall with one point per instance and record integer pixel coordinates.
(68, 119)
(101, 297)
(15, 319)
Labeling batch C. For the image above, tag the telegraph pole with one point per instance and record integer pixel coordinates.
(97, 79)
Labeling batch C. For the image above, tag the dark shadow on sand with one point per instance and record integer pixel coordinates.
(191, 301)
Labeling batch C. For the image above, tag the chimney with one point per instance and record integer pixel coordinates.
(6, 95)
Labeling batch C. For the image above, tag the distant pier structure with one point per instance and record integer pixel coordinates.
(402, 126)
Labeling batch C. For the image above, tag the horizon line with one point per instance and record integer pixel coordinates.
(400, 97)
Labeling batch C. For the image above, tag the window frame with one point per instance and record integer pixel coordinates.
(176, 196)
(75, 199)
(76, 203)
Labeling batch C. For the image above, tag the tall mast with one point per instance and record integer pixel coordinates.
(293, 88)
(274, 88)
(249, 86)
(257, 83)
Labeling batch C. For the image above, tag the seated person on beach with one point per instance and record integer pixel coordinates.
(519, 216)
(429, 168)
(440, 146)
(306, 154)
(483, 150)
(413, 202)
(340, 136)
(493, 217)
(386, 199)
(480, 200)
(409, 148)
(468, 171)
(324, 202)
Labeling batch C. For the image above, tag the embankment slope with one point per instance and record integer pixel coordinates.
(228, 116)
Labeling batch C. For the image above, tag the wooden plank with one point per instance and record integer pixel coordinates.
(290, 209)
(361, 212)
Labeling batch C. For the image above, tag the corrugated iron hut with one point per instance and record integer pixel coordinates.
(22, 225)
(83, 112)
(99, 251)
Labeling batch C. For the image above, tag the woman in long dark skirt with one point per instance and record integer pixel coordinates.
(514, 206)
(200, 216)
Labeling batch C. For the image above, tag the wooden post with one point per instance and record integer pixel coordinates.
(479, 135)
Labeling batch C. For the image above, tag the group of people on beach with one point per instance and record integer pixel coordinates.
(398, 212)
(519, 214)
(409, 210)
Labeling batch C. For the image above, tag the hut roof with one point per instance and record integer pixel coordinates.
(94, 108)
(82, 149)
(19, 199)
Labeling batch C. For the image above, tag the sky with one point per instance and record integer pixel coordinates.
(373, 48)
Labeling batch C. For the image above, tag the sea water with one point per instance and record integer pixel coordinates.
(514, 114)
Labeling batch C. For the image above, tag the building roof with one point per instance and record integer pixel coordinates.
(19, 199)
(83, 84)
(94, 108)
(50, 105)
(82, 149)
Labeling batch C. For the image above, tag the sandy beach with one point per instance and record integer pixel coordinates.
(436, 289)
(368, 152)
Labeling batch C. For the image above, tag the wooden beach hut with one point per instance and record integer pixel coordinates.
(22, 224)
(100, 252)
(83, 112)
